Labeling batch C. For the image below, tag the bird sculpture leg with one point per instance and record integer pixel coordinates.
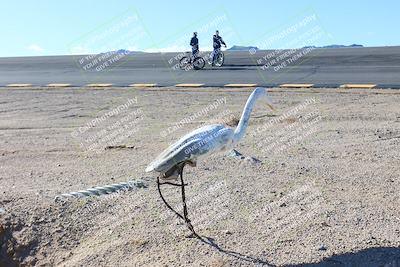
(163, 199)
(185, 212)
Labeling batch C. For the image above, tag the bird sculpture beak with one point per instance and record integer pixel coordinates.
(271, 106)
(269, 103)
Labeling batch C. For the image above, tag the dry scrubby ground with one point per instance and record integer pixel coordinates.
(329, 198)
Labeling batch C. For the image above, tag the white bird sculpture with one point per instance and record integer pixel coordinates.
(199, 143)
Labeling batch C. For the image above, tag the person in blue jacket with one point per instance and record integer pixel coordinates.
(217, 43)
(194, 43)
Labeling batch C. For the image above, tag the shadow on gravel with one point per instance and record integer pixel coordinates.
(258, 262)
(371, 257)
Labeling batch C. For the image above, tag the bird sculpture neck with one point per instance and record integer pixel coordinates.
(244, 119)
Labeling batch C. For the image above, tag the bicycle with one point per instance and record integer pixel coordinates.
(219, 59)
(188, 63)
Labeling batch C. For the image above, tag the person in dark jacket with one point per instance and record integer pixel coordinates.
(217, 43)
(194, 42)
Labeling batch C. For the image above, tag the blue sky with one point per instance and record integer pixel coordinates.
(45, 27)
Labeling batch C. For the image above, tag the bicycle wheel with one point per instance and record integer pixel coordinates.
(199, 63)
(209, 58)
(219, 61)
(184, 63)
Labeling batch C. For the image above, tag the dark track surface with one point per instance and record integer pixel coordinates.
(322, 67)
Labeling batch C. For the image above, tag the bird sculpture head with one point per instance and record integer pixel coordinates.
(262, 92)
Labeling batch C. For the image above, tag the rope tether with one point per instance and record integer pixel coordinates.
(103, 190)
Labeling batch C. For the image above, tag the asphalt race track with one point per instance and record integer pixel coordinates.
(321, 67)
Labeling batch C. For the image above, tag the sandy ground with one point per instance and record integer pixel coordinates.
(325, 194)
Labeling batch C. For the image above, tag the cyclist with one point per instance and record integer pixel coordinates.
(194, 42)
(217, 42)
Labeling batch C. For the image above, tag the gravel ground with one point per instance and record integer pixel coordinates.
(326, 192)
